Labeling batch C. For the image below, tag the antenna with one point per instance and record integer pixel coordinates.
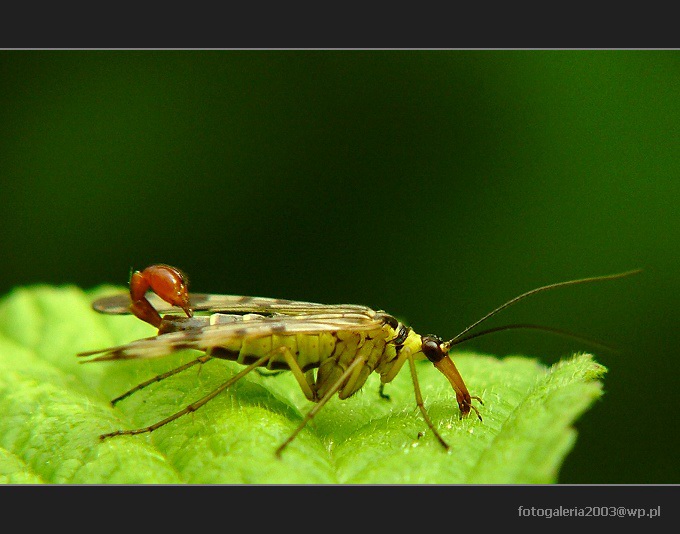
(455, 340)
(550, 329)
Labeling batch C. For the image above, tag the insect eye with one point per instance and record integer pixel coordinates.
(432, 349)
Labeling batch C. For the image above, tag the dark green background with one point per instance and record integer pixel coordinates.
(432, 184)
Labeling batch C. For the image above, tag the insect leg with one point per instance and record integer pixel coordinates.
(267, 372)
(298, 373)
(394, 370)
(331, 391)
(191, 407)
(356, 381)
(420, 403)
(158, 378)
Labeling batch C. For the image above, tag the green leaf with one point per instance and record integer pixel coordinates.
(52, 410)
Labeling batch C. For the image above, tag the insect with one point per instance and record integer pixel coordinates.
(330, 349)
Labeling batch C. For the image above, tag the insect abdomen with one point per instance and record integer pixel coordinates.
(371, 346)
(308, 350)
(330, 352)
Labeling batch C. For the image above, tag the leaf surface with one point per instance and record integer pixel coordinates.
(52, 410)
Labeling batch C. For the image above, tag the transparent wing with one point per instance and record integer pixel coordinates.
(204, 302)
(216, 335)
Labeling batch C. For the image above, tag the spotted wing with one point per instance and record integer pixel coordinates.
(216, 335)
(205, 302)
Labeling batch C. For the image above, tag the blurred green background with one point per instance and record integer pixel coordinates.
(432, 184)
